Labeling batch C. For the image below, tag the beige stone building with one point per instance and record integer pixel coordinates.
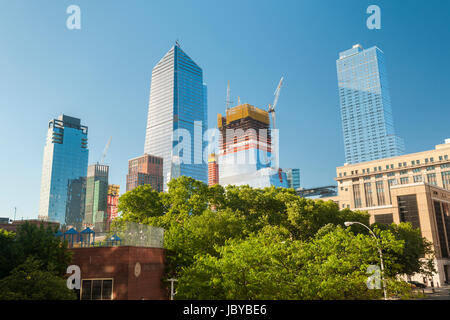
(411, 188)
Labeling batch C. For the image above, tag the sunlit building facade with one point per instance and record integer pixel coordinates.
(64, 167)
(367, 121)
(177, 108)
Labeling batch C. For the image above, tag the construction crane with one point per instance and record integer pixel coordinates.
(102, 159)
(228, 95)
(275, 101)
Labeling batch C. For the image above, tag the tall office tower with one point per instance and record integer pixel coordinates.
(245, 149)
(293, 178)
(96, 197)
(145, 169)
(65, 161)
(213, 170)
(177, 101)
(112, 202)
(367, 121)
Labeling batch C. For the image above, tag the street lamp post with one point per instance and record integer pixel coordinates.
(172, 292)
(349, 223)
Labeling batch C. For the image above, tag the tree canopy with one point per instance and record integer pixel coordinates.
(32, 264)
(238, 242)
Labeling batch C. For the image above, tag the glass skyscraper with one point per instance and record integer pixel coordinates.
(293, 177)
(367, 121)
(63, 171)
(177, 106)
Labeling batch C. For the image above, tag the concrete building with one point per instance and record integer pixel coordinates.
(367, 121)
(411, 188)
(146, 169)
(245, 149)
(63, 169)
(177, 116)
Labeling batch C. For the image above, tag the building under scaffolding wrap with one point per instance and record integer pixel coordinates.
(245, 149)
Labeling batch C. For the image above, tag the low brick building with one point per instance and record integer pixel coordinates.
(121, 273)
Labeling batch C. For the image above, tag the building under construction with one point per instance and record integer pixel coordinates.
(245, 149)
(112, 202)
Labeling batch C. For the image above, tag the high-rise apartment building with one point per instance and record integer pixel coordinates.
(96, 197)
(367, 121)
(146, 169)
(293, 178)
(177, 107)
(64, 167)
(245, 149)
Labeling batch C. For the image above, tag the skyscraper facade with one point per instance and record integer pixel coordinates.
(96, 196)
(112, 203)
(146, 169)
(367, 121)
(64, 167)
(293, 178)
(177, 107)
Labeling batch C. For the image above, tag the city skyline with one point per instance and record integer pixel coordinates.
(93, 83)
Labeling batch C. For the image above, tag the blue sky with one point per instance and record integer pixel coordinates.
(102, 72)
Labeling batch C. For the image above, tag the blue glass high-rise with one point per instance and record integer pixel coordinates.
(177, 101)
(367, 121)
(64, 170)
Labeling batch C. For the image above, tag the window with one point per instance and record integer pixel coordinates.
(357, 195)
(96, 289)
(385, 218)
(431, 178)
(380, 193)
(430, 168)
(368, 193)
(404, 172)
(446, 179)
(409, 212)
(391, 174)
(416, 170)
(417, 178)
(404, 180)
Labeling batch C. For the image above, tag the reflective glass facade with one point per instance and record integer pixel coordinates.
(63, 171)
(367, 122)
(293, 177)
(177, 101)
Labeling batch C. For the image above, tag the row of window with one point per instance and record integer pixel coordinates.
(401, 165)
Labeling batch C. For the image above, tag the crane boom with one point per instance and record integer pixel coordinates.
(105, 150)
(275, 102)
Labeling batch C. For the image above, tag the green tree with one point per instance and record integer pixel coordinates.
(41, 243)
(6, 253)
(31, 281)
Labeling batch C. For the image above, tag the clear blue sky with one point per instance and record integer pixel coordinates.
(102, 72)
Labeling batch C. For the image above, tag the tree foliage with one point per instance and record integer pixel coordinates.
(32, 264)
(238, 242)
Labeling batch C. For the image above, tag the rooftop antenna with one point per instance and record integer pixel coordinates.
(228, 101)
(15, 211)
(177, 43)
(239, 101)
(102, 159)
